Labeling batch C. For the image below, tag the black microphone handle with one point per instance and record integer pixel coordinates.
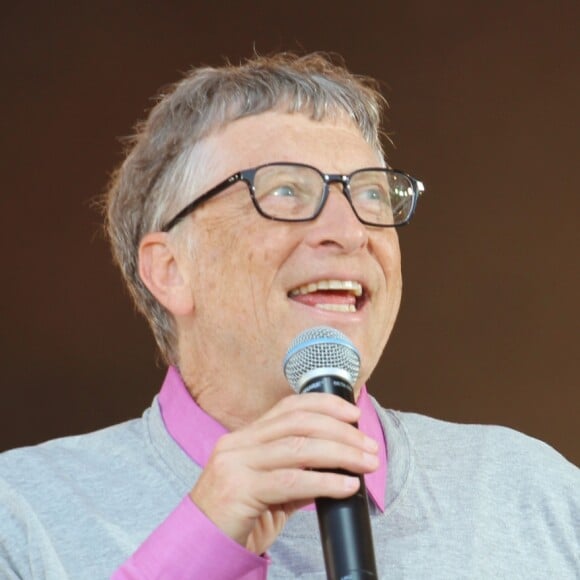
(345, 525)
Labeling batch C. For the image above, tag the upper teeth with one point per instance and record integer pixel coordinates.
(351, 285)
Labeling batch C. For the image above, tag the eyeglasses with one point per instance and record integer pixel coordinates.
(295, 192)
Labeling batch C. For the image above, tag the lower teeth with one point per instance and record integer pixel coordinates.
(337, 307)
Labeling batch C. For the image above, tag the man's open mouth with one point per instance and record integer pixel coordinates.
(334, 295)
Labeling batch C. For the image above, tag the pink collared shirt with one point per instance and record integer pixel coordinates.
(166, 553)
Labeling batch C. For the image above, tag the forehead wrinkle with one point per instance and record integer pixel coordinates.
(230, 141)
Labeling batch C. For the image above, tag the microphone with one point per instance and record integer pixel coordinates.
(323, 360)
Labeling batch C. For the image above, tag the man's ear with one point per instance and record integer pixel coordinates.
(159, 270)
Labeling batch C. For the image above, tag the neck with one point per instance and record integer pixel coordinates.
(232, 403)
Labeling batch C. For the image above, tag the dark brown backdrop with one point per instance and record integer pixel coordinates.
(484, 100)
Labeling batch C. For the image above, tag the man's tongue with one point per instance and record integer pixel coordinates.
(326, 297)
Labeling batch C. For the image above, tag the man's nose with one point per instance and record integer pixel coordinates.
(337, 225)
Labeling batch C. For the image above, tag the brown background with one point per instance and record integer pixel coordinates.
(484, 99)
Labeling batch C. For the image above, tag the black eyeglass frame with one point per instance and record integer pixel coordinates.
(248, 175)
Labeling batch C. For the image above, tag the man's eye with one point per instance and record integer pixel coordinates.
(283, 191)
(371, 194)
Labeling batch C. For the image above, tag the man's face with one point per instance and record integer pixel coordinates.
(257, 283)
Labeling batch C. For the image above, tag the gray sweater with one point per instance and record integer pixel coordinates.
(463, 501)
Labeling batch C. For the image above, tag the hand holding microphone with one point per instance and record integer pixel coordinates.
(323, 360)
(303, 448)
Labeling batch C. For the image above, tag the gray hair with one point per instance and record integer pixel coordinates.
(156, 176)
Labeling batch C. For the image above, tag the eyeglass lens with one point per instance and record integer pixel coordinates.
(294, 192)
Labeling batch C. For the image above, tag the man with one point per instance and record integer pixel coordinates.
(255, 203)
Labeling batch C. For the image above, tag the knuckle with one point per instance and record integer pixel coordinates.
(297, 444)
(223, 443)
(287, 478)
(219, 464)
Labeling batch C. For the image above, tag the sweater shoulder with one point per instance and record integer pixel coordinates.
(107, 449)
(493, 447)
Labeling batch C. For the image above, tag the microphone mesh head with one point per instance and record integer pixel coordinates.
(324, 348)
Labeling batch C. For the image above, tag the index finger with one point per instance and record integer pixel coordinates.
(323, 403)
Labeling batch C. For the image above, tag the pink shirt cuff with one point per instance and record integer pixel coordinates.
(188, 545)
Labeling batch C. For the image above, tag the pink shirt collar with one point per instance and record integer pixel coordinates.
(196, 432)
